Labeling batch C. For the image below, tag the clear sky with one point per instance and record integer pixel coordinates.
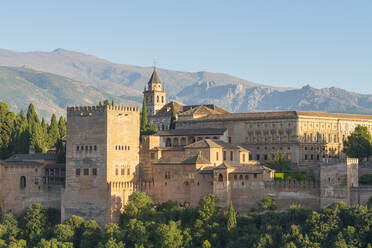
(276, 42)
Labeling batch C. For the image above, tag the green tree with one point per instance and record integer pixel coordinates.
(143, 121)
(91, 235)
(35, 222)
(100, 104)
(21, 135)
(112, 102)
(267, 203)
(168, 236)
(139, 206)
(36, 137)
(111, 243)
(359, 143)
(64, 233)
(278, 161)
(7, 119)
(231, 218)
(208, 208)
(10, 223)
(173, 118)
(150, 129)
(206, 244)
(54, 243)
(76, 223)
(106, 102)
(62, 126)
(53, 132)
(17, 244)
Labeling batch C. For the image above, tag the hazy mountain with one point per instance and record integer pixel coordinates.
(232, 93)
(49, 93)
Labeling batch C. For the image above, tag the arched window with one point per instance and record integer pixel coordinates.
(23, 182)
(241, 177)
(168, 142)
(157, 98)
(162, 127)
(246, 177)
(162, 99)
(183, 141)
(220, 177)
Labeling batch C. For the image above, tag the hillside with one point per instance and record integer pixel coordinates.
(126, 82)
(50, 93)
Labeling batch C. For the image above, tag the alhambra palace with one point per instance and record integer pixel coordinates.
(210, 151)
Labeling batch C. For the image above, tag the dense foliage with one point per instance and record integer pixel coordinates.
(171, 225)
(278, 161)
(359, 143)
(20, 133)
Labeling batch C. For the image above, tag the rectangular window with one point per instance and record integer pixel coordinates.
(152, 155)
(265, 156)
(243, 157)
(224, 155)
(305, 156)
(258, 157)
(216, 155)
(116, 172)
(77, 172)
(229, 139)
(335, 138)
(94, 171)
(122, 172)
(231, 155)
(311, 157)
(128, 172)
(250, 156)
(86, 172)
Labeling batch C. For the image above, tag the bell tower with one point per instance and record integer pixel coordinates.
(154, 94)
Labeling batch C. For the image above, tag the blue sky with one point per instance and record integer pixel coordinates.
(282, 43)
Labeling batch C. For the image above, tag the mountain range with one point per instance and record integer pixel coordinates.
(53, 80)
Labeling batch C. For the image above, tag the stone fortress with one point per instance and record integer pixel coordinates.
(211, 151)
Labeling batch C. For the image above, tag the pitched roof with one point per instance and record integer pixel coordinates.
(209, 143)
(192, 132)
(278, 115)
(56, 166)
(182, 109)
(22, 163)
(195, 159)
(244, 168)
(154, 79)
(32, 157)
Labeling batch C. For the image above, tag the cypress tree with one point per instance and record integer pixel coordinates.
(36, 139)
(45, 131)
(112, 102)
(62, 126)
(106, 102)
(7, 119)
(100, 104)
(144, 121)
(173, 118)
(231, 218)
(21, 135)
(53, 132)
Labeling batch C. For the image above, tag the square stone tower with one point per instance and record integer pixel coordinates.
(155, 94)
(102, 160)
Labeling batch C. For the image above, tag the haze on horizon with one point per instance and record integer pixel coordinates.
(281, 43)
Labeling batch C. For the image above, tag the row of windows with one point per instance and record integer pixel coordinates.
(86, 148)
(122, 147)
(157, 99)
(86, 171)
(273, 148)
(246, 177)
(122, 172)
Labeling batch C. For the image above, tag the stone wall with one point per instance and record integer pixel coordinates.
(16, 198)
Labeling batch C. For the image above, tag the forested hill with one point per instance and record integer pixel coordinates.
(51, 93)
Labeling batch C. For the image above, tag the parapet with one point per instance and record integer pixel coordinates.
(90, 109)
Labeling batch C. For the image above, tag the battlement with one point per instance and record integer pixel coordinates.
(291, 184)
(80, 109)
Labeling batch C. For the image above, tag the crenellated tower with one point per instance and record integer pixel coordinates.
(102, 161)
(155, 94)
